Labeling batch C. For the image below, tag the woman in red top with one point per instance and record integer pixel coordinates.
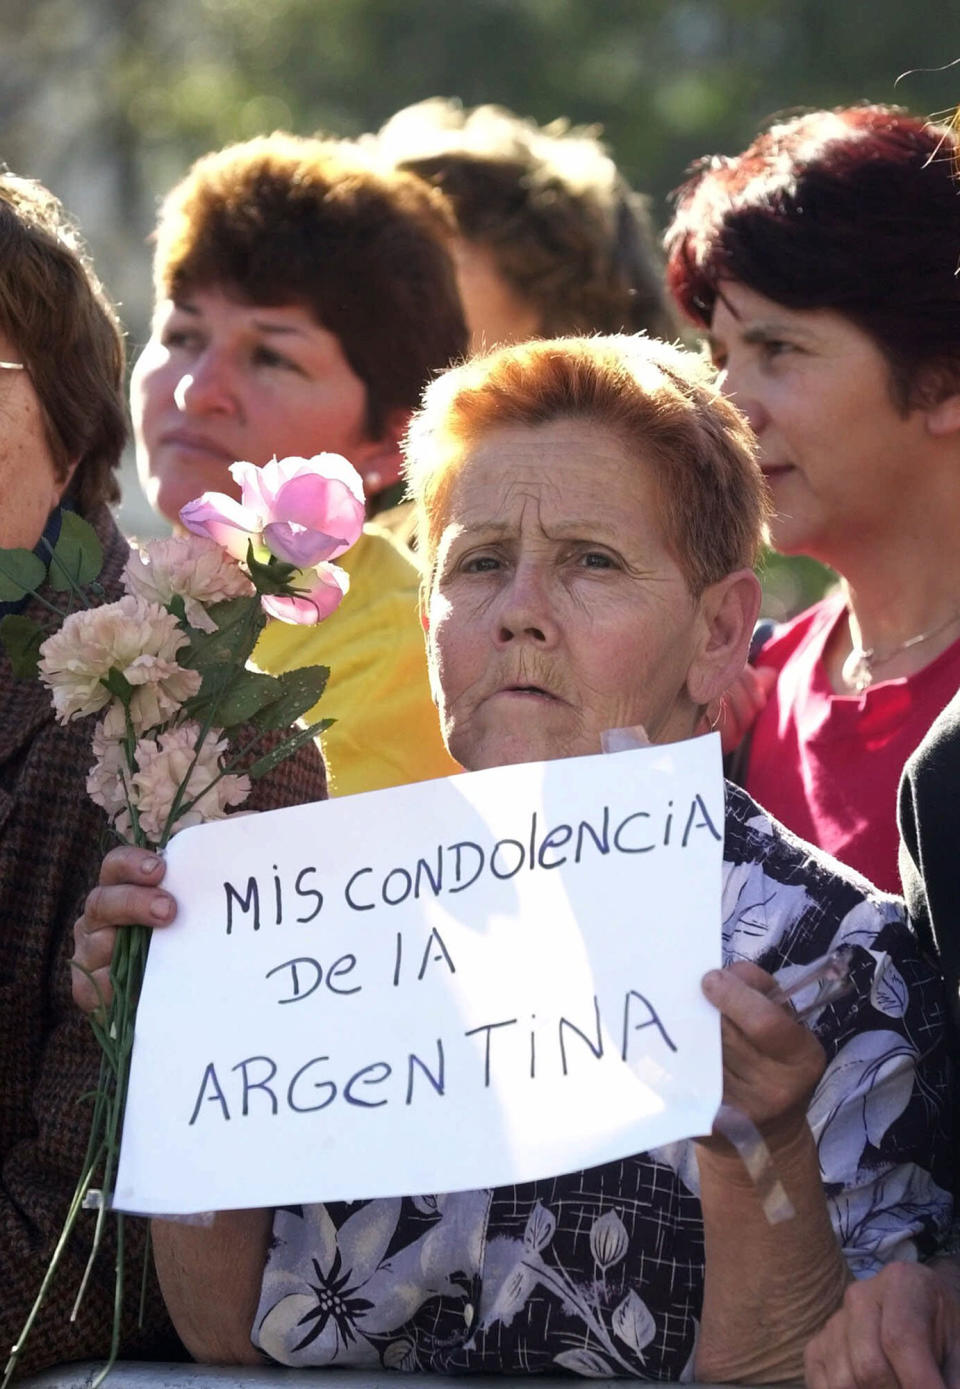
(822, 264)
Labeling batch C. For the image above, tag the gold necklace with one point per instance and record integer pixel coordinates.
(857, 670)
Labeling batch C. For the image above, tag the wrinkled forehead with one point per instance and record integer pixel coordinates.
(557, 479)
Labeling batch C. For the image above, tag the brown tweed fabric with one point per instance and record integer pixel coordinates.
(51, 841)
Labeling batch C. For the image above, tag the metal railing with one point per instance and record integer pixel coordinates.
(132, 1375)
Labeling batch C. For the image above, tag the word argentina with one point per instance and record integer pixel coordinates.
(524, 1047)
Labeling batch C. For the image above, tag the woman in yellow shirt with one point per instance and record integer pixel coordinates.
(303, 302)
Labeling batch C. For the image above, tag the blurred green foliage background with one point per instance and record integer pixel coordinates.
(107, 101)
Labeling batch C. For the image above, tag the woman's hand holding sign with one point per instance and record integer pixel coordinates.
(771, 1066)
(771, 1062)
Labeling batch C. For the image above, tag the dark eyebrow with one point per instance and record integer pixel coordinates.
(280, 329)
(768, 332)
(263, 325)
(759, 333)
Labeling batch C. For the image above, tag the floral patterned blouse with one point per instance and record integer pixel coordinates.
(601, 1272)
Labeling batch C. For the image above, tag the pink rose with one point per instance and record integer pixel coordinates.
(311, 605)
(304, 511)
(221, 518)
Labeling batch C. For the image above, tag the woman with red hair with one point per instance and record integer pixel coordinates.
(822, 265)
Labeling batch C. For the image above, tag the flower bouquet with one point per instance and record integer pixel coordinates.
(185, 725)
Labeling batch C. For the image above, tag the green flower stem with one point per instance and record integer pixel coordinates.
(144, 1275)
(116, 1037)
(250, 619)
(44, 603)
(117, 1309)
(293, 743)
(75, 590)
(130, 959)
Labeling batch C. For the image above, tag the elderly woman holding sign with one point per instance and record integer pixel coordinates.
(591, 510)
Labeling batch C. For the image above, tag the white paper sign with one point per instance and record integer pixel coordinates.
(463, 983)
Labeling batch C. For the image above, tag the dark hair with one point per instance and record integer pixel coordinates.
(284, 220)
(855, 210)
(55, 313)
(565, 230)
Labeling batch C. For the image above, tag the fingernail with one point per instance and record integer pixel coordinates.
(149, 865)
(710, 981)
(162, 908)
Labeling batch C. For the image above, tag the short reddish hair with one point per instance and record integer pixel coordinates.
(661, 401)
(855, 210)
(284, 220)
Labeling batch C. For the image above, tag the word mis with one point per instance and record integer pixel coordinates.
(453, 868)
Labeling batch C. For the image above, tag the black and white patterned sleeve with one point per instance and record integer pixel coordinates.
(880, 1115)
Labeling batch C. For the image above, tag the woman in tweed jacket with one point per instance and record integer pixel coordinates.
(62, 430)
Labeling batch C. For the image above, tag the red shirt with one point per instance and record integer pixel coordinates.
(828, 765)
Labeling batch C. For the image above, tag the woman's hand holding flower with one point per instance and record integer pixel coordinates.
(185, 725)
(128, 893)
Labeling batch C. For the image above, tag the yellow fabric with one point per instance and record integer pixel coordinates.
(387, 731)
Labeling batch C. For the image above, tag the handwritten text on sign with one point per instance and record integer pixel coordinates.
(463, 983)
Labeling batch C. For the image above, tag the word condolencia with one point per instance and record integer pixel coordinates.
(454, 868)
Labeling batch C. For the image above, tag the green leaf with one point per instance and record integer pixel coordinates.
(179, 609)
(232, 645)
(299, 692)
(22, 639)
(235, 699)
(230, 611)
(20, 573)
(77, 556)
(118, 684)
(215, 681)
(286, 749)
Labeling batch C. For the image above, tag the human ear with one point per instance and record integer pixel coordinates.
(728, 611)
(379, 461)
(62, 484)
(944, 417)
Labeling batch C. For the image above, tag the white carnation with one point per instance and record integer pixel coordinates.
(188, 566)
(163, 766)
(139, 639)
